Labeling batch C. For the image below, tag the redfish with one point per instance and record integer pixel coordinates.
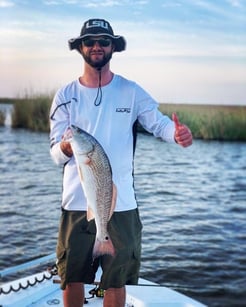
(96, 178)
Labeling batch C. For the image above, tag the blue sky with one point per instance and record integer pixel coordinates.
(186, 51)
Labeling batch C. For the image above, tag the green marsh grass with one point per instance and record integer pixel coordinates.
(2, 118)
(32, 113)
(211, 122)
(208, 122)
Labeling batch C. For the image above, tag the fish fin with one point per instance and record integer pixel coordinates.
(90, 214)
(113, 204)
(105, 247)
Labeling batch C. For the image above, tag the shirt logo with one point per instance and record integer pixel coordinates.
(123, 110)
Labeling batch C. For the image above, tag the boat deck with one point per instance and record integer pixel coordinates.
(48, 293)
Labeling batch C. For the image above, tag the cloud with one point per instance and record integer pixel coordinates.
(51, 2)
(235, 3)
(61, 2)
(6, 3)
(107, 3)
(222, 10)
(171, 4)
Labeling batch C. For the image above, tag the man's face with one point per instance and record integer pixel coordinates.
(98, 51)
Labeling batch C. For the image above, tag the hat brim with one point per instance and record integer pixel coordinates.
(118, 41)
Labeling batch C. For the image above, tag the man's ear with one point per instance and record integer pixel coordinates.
(80, 48)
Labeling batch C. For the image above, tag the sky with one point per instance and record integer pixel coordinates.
(186, 51)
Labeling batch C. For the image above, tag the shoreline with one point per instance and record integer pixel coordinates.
(207, 122)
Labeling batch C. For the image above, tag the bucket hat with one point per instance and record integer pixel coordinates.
(97, 27)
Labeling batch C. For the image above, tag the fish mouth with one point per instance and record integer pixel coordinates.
(87, 147)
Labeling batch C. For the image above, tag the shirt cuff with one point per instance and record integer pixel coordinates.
(58, 155)
(169, 132)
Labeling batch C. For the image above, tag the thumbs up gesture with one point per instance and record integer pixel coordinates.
(183, 135)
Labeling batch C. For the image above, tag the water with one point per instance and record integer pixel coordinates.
(192, 204)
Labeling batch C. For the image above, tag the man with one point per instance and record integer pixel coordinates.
(107, 106)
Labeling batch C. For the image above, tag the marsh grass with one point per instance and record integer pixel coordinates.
(2, 118)
(209, 122)
(32, 113)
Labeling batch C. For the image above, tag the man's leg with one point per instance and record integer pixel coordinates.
(114, 297)
(73, 295)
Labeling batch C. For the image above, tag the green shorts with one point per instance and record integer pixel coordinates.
(75, 245)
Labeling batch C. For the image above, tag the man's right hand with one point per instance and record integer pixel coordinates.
(66, 148)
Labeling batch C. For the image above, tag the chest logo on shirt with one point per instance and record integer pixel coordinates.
(123, 110)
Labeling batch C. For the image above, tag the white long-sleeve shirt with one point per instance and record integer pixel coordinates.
(111, 123)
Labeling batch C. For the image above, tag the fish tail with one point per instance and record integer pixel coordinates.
(105, 247)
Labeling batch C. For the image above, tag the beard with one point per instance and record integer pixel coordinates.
(99, 63)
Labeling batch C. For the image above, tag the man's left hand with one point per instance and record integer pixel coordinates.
(183, 135)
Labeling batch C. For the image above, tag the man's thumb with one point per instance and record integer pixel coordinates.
(176, 120)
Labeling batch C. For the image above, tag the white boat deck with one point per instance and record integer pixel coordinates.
(48, 293)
